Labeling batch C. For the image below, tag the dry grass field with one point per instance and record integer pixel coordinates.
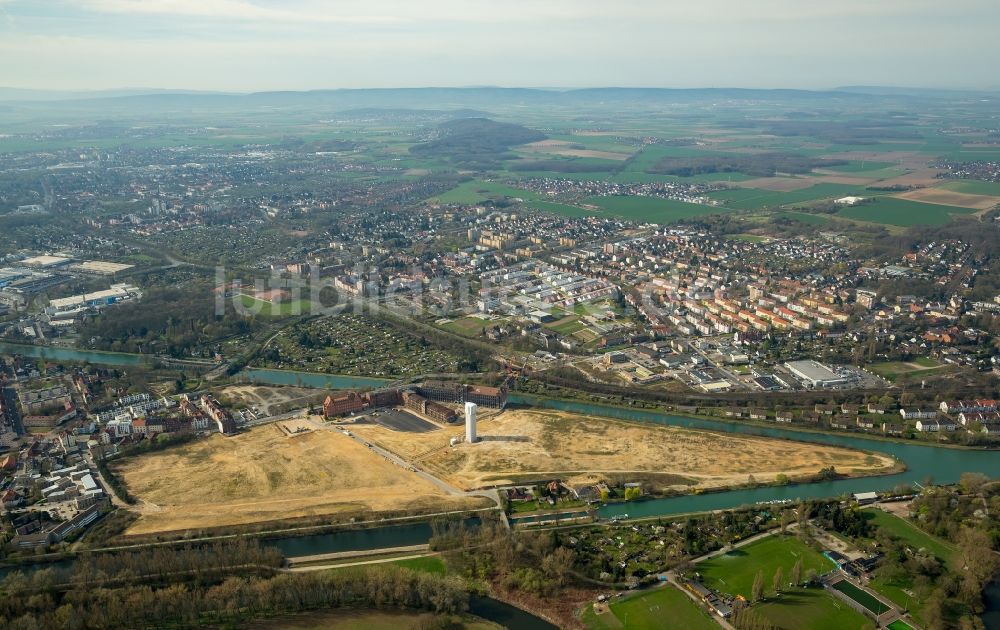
(568, 149)
(530, 444)
(950, 198)
(265, 474)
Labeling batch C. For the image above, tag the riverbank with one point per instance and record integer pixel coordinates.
(336, 381)
(519, 446)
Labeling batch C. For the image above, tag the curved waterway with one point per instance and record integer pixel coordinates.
(252, 375)
(309, 379)
(942, 465)
(71, 354)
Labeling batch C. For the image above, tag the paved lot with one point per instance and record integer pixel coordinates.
(401, 421)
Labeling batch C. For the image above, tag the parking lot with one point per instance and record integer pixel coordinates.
(399, 420)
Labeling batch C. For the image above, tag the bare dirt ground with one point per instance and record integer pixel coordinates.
(566, 149)
(266, 474)
(920, 174)
(778, 184)
(264, 397)
(788, 184)
(950, 198)
(578, 448)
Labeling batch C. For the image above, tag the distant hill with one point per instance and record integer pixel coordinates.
(411, 99)
(881, 90)
(20, 94)
(396, 113)
(475, 142)
(435, 104)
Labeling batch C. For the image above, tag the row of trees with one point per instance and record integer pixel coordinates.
(170, 320)
(150, 563)
(232, 600)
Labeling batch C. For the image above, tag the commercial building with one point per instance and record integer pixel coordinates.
(815, 374)
(101, 268)
(117, 293)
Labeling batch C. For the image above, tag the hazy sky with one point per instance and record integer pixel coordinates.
(306, 44)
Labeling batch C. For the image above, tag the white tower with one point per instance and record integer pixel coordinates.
(470, 423)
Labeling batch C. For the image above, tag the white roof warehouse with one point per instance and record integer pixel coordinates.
(815, 373)
(117, 293)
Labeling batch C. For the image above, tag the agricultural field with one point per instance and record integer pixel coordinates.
(664, 607)
(528, 444)
(946, 197)
(973, 187)
(576, 148)
(653, 210)
(478, 191)
(265, 474)
(901, 212)
(757, 199)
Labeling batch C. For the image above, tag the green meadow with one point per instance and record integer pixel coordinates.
(756, 199)
(902, 212)
(973, 187)
(653, 210)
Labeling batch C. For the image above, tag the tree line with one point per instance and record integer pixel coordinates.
(232, 600)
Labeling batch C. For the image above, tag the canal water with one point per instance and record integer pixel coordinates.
(506, 615)
(942, 465)
(991, 598)
(69, 354)
(309, 379)
(358, 539)
(253, 375)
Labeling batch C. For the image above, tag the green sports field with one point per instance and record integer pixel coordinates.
(813, 609)
(662, 608)
(862, 597)
(734, 572)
